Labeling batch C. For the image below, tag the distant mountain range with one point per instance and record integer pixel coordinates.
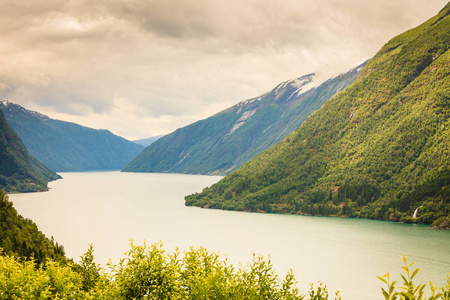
(380, 149)
(222, 143)
(19, 171)
(65, 146)
(148, 141)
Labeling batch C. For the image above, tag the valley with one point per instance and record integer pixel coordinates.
(322, 187)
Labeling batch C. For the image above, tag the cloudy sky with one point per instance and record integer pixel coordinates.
(141, 68)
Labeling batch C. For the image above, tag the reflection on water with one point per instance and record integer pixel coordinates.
(109, 208)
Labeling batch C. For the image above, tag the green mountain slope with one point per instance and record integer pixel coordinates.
(224, 142)
(21, 237)
(19, 171)
(65, 146)
(379, 149)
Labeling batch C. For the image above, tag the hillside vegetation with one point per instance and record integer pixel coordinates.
(222, 143)
(19, 171)
(379, 149)
(21, 237)
(65, 146)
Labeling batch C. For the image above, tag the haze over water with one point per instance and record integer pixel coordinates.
(109, 208)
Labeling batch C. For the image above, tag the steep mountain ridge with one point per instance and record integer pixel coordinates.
(65, 146)
(19, 171)
(379, 149)
(223, 142)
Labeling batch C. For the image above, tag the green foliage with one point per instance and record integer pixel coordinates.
(65, 146)
(22, 238)
(380, 149)
(149, 272)
(409, 290)
(88, 269)
(321, 293)
(224, 142)
(23, 280)
(441, 223)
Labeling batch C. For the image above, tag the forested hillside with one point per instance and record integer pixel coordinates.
(64, 146)
(21, 237)
(222, 143)
(19, 171)
(380, 149)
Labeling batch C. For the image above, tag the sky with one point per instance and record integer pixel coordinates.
(142, 68)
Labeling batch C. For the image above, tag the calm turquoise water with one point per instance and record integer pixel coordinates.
(109, 208)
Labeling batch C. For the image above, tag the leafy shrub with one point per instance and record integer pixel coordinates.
(149, 272)
(411, 291)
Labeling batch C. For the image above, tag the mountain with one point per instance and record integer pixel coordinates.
(65, 146)
(21, 237)
(380, 149)
(222, 143)
(148, 141)
(19, 171)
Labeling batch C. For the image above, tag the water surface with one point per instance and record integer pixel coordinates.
(109, 208)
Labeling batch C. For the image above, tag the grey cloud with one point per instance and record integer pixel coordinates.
(252, 23)
(178, 19)
(186, 57)
(19, 15)
(259, 23)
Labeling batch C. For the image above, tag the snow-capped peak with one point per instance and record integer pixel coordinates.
(6, 103)
(25, 111)
(295, 83)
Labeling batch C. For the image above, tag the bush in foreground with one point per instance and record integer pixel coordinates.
(149, 272)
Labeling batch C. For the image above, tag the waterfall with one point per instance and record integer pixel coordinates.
(415, 212)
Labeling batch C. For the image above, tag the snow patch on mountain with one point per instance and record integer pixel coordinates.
(304, 82)
(301, 85)
(248, 101)
(10, 106)
(244, 117)
(235, 127)
(306, 87)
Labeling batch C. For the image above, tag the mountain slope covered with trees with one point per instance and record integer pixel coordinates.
(65, 146)
(19, 171)
(379, 149)
(21, 237)
(222, 143)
